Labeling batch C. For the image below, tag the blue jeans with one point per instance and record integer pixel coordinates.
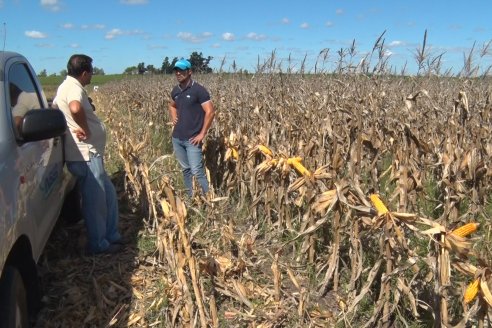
(99, 203)
(189, 157)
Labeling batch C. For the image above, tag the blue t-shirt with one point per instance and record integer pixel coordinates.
(189, 110)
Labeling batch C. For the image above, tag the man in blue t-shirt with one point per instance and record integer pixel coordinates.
(192, 113)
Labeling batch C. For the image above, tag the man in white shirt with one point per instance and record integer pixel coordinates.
(84, 152)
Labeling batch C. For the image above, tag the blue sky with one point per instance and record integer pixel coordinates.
(123, 33)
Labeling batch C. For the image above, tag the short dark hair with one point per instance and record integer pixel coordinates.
(78, 64)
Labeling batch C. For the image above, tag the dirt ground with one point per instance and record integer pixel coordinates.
(91, 291)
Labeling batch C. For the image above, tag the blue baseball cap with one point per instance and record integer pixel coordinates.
(182, 64)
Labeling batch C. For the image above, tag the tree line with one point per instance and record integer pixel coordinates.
(199, 64)
(63, 72)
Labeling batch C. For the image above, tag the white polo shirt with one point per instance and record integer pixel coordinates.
(76, 150)
(25, 102)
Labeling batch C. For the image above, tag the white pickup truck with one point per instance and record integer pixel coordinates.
(33, 185)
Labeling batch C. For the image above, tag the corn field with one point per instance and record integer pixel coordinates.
(340, 200)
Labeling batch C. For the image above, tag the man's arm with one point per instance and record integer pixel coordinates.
(209, 110)
(78, 115)
(173, 112)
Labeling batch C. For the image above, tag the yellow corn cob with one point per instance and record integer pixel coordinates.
(265, 150)
(466, 229)
(234, 153)
(378, 204)
(166, 207)
(472, 290)
(228, 154)
(296, 163)
(294, 159)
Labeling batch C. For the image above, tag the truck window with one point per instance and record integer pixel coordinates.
(24, 95)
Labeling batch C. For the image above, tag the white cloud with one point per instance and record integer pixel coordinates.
(117, 32)
(1, 3)
(256, 37)
(228, 36)
(134, 2)
(339, 11)
(49, 2)
(216, 45)
(397, 43)
(329, 24)
(35, 35)
(156, 46)
(113, 34)
(68, 26)
(52, 5)
(185, 36)
(304, 25)
(74, 45)
(93, 27)
(285, 20)
(194, 38)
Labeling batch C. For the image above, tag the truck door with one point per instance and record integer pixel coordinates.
(40, 164)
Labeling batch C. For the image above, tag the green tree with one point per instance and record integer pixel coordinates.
(151, 69)
(63, 72)
(200, 63)
(141, 68)
(175, 59)
(43, 73)
(166, 67)
(131, 70)
(98, 71)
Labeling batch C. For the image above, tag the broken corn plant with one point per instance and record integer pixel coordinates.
(392, 235)
(454, 241)
(479, 286)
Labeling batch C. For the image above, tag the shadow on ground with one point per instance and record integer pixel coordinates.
(88, 291)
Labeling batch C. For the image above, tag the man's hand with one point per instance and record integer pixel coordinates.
(196, 140)
(80, 134)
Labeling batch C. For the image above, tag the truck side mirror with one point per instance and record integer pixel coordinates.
(40, 124)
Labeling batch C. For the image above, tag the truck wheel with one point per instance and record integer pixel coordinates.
(13, 302)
